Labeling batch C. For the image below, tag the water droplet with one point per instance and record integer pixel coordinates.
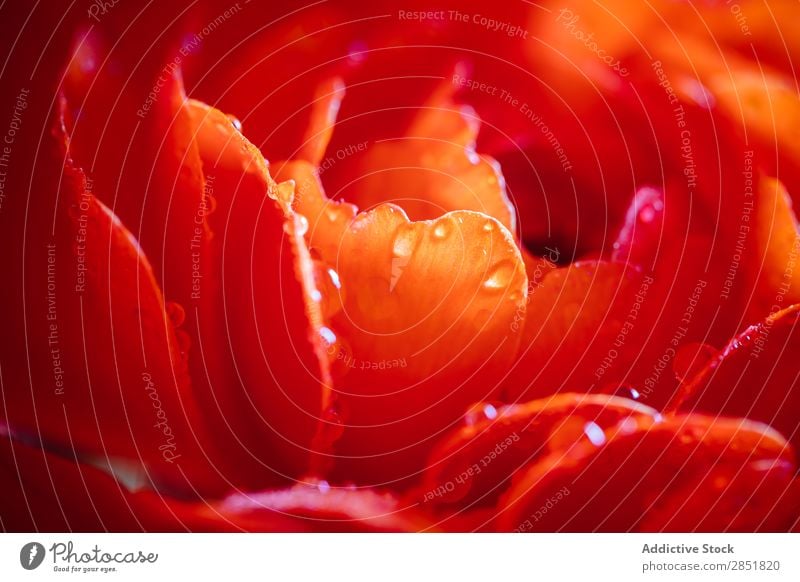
(176, 313)
(499, 276)
(323, 486)
(301, 224)
(594, 433)
(327, 283)
(488, 226)
(356, 52)
(628, 426)
(441, 230)
(480, 412)
(647, 214)
(235, 122)
(332, 213)
(332, 425)
(404, 242)
(690, 359)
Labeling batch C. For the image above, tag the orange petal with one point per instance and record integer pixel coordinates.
(426, 318)
(430, 170)
(320, 507)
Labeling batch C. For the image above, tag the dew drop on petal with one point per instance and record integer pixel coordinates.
(488, 226)
(404, 242)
